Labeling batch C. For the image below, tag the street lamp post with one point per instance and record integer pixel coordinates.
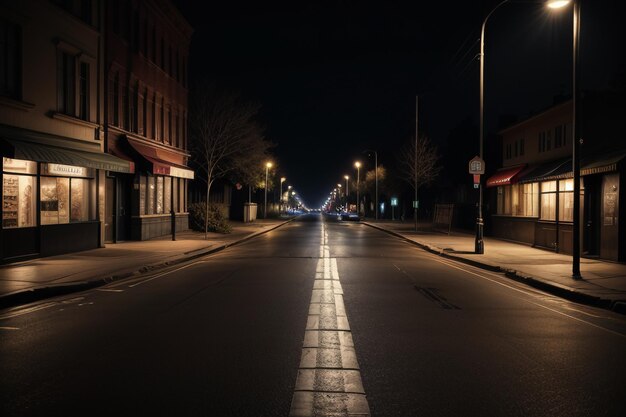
(479, 244)
(267, 169)
(357, 164)
(576, 128)
(280, 205)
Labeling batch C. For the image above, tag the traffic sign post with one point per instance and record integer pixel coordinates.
(477, 168)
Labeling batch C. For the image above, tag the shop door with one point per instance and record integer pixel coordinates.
(109, 221)
(124, 184)
(610, 210)
(592, 221)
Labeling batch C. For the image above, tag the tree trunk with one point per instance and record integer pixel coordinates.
(206, 208)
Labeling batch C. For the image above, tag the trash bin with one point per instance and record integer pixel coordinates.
(249, 212)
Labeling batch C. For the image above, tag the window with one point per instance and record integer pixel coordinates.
(144, 39)
(66, 83)
(542, 142)
(115, 99)
(176, 130)
(135, 31)
(518, 200)
(143, 129)
(159, 195)
(10, 60)
(558, 136)
(125, 112)
(566, 200)
(548, 134)
(154, 45)
(521, 147)
(19, 193)
(155, 132)
(162, 134)
(167, 195)
(163, 54)
(115, 16)
(508, 151)
(134, 108)
(151, 195)
(83, 92)
(170, 62)
(548, 200)
(516, 149)
(169, 124)
(63, 197)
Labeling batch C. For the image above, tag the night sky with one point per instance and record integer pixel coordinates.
(336, 78)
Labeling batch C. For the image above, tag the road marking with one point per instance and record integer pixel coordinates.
(161, 274)
(9, 328)
(329, 379)
(483, 276)
(109, 290)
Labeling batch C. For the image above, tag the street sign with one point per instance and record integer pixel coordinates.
(476, 180)
(394, 201)
(416, 204)
(476, 166)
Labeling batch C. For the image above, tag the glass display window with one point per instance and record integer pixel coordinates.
(49, 201)
(80, 192)
(65, 200)
(167, 195)
(159, 195)
(19, 193)
(151, 195)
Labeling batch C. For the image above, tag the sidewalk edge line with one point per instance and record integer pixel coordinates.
(30, 295)
(617, 306)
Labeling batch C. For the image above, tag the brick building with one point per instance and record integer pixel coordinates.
(147, 50)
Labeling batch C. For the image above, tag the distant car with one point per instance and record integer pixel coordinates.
(349, 217)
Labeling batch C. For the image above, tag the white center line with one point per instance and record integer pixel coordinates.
(329, 381)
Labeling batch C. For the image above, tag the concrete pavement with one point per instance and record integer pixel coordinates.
(603, 283)
(27, 281)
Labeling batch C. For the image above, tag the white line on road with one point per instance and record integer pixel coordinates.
(526, 292)
(329, 379)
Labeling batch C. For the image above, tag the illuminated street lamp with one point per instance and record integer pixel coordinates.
(280, 205)
(268, 165)
(576, 140)
(479, 245)
(357, 164)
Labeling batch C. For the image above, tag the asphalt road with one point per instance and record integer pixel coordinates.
(223, 336)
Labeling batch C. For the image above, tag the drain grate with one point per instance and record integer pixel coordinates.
(433, 294)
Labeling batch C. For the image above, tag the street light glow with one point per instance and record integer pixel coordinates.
(557, 4)
(357, 164)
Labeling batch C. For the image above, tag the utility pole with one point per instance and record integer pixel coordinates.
(415, 164)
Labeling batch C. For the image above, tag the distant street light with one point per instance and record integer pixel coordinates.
(267, 169)
(280, 205)
(376, 174)
(347, 190)
(357, 164)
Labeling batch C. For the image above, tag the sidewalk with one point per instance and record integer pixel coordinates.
(603, 283)
(28, 281)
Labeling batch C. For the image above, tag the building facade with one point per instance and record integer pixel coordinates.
(147, 50)
(51, 128)
(534, 188)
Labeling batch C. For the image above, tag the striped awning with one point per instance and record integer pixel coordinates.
(505, 176)
(47, 150)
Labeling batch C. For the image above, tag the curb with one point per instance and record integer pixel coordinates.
(30, 295)
(617, 306)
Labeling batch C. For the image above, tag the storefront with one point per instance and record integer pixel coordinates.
(535, 205)
(50, 195)
(159, 186)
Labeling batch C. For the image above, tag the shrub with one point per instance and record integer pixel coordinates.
(217, 221)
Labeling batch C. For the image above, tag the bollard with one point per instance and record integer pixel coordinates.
(173, 225)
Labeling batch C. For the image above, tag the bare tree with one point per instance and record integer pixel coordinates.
(419, 164)
(225, 137)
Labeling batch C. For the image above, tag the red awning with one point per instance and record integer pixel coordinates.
(114, 149)
(505, 176)
(163, 162)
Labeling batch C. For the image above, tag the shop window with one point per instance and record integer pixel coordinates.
(64, 200)
(159, 195)
(142, 194)
(520, 200)
(19, 193)
(151, 191)
(548, 200)
(167, 195)
(566, 200)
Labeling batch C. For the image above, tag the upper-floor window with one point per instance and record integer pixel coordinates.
(10, 60)
(521, 146)
(83, 91)
(66, 83)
